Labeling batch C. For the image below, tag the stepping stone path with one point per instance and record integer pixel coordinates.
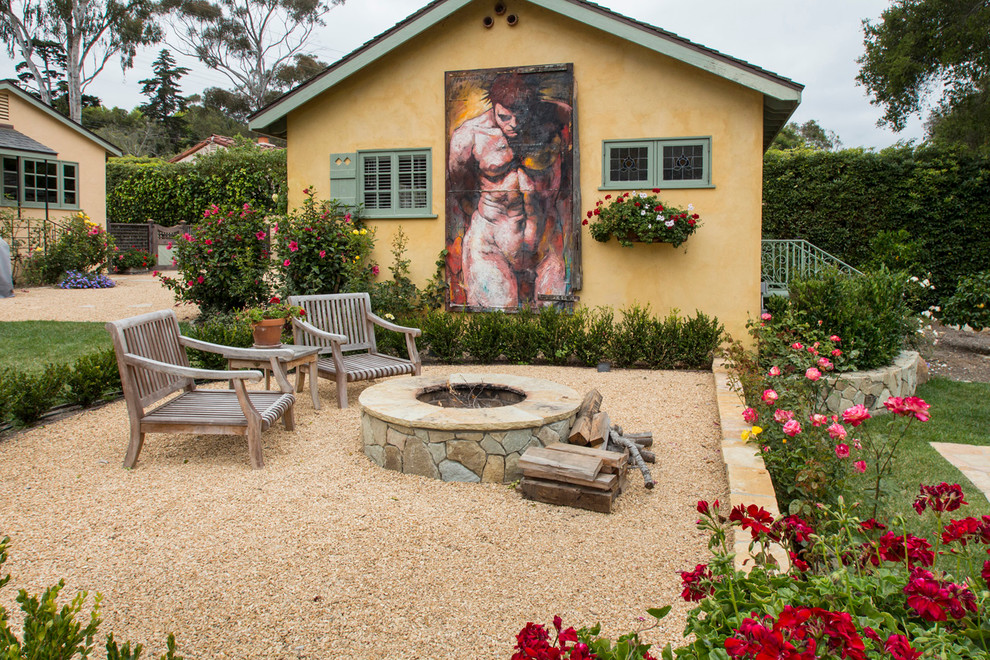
(972, 460)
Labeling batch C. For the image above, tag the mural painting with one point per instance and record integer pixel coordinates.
(511, 233)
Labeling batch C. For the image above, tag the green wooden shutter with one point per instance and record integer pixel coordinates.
(343, 178)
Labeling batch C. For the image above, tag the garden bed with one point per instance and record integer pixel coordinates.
(324, 554)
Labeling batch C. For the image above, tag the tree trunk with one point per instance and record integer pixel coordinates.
(73, 54)
(23, 41)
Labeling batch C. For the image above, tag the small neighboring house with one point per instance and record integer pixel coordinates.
(213, 143)
(490, 128)
(52, 167)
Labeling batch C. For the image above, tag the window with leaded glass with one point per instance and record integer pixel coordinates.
(657, 163)
(395, 183)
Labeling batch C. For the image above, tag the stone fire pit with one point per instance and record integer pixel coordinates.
(466, 427)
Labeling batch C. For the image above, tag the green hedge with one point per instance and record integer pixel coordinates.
(142, 189)
(840, 200)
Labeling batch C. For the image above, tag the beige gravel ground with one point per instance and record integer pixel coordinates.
(324, 555)
(133, 295)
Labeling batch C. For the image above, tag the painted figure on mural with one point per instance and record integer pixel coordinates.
(505, 170)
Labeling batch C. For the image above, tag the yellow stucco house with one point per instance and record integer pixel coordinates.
(52, 166)
(491, 128)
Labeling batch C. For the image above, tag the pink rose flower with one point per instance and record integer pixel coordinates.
(750, 415)
(774, 371)
(375, 269)
(856, 415)
(812, 374)
(765, 316)
(797, 346)
(837, 431)
(818, 419)
(770, 397)
(917, 407)
(792, 428)
(842, 450)
(286, 262)
(825, 364)
(836, 353)
(780, 415)
(323, 253)
(834, 338)
(860, 466)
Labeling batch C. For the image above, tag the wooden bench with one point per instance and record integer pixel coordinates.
(343, 326)
(151, 356)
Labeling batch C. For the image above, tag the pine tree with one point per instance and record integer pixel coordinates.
(165, 104)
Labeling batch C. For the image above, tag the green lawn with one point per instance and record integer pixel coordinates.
(961, 414)
(29, 345)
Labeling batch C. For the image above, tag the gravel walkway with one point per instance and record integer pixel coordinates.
(323, 554)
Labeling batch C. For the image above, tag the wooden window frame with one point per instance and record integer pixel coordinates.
(655, 178)
(59, 176)
(394, 211)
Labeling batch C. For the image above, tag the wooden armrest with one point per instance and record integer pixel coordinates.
(377, 320)
(316, 332)
(235, 352)
(189, 372)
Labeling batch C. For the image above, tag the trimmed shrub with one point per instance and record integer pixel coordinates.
(443, 332)
(699, 338)
(485, 335)
(970, 304)
(92, 376)
(558, 329)
(221, 328)
(632, 335)
(522, 337)
(841, 200)
(142, 189)
(593, 340)
(867, 312)
(34, 394)
(83, 246)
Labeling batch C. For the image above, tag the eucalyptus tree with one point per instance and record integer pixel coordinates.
(91, 33)
(252, 42)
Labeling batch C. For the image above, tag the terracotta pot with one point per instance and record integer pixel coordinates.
(268, 332)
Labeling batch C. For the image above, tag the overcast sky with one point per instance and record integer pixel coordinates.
(813, 42)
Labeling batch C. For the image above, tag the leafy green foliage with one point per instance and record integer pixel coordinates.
(632, 336)
(164, 100)
(485, 335)
(593, 342)
(868, 312)
(558, 329)
(443, 333)
(522, 337)
(51, 632)
(970, 304)
(223, 261)
(809, 135)
(322, 248)
(92, 377)
(82, 246)
(398, 295)
(34, 393)
(840, 201)
(222, 328)
(921, 45)
(145, 189)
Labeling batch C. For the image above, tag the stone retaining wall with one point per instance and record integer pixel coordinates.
(456, 455)
(872, 388)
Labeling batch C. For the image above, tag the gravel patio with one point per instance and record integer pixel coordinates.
(323, 554)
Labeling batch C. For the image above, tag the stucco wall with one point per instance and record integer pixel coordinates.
(623, 91)
(71, 146)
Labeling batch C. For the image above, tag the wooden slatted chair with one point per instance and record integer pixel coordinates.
(153, 364)
(343, 326)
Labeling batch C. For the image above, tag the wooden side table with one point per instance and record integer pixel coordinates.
(303, 359)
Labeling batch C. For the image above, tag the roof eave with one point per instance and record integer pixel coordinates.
(109, 147)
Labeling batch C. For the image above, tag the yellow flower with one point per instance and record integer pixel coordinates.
(355, 232)
(364, 231)
(357, 257)
(981, 306)
(753, 432)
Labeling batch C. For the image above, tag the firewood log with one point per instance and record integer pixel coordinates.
(581, 431)
(635, 456)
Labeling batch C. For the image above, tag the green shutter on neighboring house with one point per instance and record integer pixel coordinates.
(343, 178)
